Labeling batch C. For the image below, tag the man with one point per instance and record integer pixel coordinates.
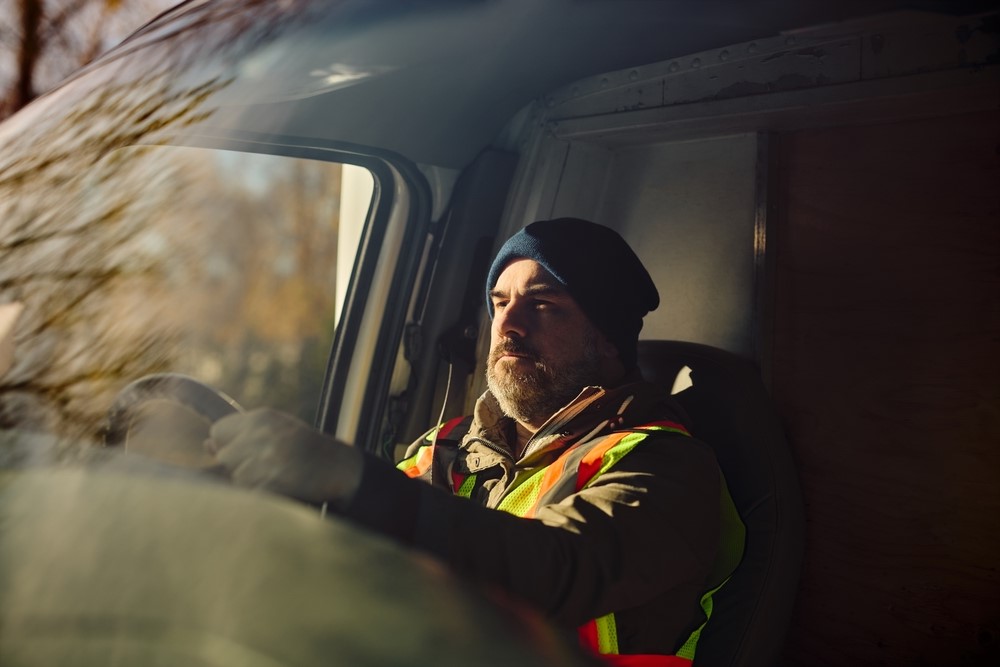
(609, 511)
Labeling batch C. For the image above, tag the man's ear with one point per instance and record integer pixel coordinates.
(612, 369)
(606, 348)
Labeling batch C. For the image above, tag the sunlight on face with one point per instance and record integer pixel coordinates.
(543, 348)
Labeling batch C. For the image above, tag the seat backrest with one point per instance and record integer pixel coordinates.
(731, 411)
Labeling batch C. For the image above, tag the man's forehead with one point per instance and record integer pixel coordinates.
(527, 274)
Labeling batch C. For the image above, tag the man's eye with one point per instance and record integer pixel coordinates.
(497, 305)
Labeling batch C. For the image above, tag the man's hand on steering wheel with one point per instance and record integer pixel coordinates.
(270, 450)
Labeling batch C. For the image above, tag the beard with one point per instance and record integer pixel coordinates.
(534, 394)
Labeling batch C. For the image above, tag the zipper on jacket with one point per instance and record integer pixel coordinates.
(564, 417)
(502, 451)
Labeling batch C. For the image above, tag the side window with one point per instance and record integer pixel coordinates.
(226, 266)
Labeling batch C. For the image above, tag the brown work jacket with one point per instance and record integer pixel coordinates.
(638, 541)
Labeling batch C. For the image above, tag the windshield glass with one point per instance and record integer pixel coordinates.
(225, 266)
(132, 243)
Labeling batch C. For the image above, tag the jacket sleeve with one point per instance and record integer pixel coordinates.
(645, 527)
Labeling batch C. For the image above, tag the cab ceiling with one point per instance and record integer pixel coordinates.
(445, 77)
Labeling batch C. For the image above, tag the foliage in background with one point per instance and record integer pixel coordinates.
(44, 41)
(133, 255)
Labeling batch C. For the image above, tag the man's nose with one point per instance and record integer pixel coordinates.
(512, 320)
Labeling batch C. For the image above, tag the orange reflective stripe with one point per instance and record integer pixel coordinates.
(588, 635)
(420, 463)
(591, 463)
(594, 461)
(549, 478)
(599, 635)
(579, 467)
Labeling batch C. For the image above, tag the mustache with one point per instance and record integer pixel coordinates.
(512, 346)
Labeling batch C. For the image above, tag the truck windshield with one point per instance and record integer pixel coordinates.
(135, 249)
(225, 266)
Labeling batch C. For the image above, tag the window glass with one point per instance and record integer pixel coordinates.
(225, 266)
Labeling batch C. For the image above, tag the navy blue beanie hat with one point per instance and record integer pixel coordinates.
(598, 269)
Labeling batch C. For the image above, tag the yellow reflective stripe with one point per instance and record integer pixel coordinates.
(607, 634)
(432, 434)
(732, 538)
(522, 499)
(626, 445)
(412, 461)
(731, 546)
(519, 501)
(615, 454)
(429, 439)
(687, 650)
(607, 631)
(467, 485)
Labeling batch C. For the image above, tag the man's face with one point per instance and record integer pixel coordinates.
(543, 348)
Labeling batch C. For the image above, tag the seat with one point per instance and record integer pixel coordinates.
(731, 411)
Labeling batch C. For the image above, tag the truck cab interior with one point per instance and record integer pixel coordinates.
(296, 204)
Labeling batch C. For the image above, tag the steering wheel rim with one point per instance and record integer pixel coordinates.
(210, 403)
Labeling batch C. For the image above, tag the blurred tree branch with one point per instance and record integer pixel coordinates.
(27, 55)
(131, 258)
(43, 41)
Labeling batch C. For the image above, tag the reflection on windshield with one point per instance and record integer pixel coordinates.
(215, 264)
(243, 266)
(131, 257)
(67, 219)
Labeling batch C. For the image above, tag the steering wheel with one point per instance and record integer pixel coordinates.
(172, 412)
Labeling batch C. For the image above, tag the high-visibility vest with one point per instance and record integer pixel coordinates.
(578, 466)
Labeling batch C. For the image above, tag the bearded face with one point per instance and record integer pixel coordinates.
(534, 387)
(543, 349)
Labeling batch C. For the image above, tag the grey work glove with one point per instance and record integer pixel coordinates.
(266, 449)
(169, 432)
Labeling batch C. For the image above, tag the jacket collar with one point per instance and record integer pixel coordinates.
(595, 411)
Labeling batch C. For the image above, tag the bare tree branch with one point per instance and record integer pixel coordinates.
(43, 41)
(32, 14)
(57, 22)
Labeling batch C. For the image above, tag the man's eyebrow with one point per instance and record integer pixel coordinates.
(536, 289)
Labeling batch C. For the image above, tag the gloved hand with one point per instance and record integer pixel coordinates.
(169, 432)
(266, 449)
